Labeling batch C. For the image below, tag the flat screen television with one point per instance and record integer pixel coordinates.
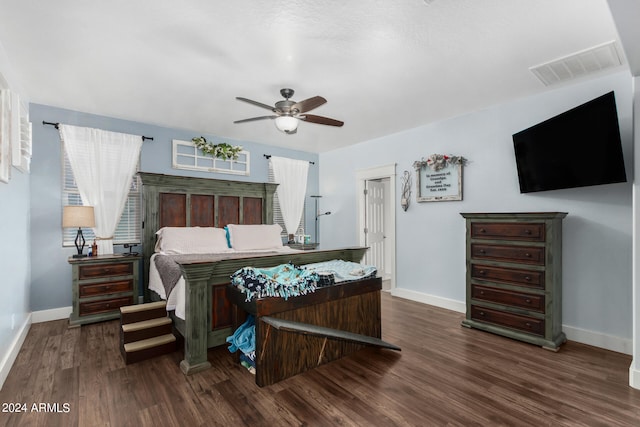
(578, 148)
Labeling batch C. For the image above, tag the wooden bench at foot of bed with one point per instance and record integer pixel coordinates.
(285, 349)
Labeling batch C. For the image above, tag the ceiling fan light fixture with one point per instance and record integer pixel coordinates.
(286, 124)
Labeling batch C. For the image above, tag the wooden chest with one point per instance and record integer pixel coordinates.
(101, 285)
(514, 275)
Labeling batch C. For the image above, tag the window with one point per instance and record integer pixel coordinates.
(187, 156)
(128, 229)
(277, 214)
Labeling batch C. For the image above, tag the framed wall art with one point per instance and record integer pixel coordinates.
(439, 178)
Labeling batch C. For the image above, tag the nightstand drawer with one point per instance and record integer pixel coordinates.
(94, 289)
(523, 323)
(87, 308)
(105, 270)
(520, 254)
(508, 231)
(533, 279)
(502, 296)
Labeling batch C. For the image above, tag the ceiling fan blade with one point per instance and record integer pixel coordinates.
(253, 119)
(321, 120)
(308, 104)
(256, 103)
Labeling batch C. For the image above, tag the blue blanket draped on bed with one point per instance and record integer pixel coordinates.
(283, 281)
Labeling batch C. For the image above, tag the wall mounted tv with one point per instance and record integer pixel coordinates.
(578, 148)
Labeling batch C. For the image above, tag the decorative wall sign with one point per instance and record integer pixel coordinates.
(439, 178)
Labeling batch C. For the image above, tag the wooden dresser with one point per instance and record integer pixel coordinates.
(514, 275)
(101, 285)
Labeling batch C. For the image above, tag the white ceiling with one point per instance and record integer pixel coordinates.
(384, 66)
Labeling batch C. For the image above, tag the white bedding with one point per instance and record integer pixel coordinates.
(176, 299)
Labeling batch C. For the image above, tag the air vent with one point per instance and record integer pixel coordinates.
(598, 58)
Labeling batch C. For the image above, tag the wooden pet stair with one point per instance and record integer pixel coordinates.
(145, 331)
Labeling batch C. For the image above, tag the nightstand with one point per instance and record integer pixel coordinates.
(303, 246)
(101, 285)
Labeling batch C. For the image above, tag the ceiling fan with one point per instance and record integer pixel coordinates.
(289, 113)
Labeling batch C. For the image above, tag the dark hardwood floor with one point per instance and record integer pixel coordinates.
(445, 375)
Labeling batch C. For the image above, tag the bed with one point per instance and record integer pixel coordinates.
(177, 201)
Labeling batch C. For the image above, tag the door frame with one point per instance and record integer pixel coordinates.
(379, 172)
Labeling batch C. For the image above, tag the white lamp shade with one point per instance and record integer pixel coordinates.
(78, 216)
(286, 123)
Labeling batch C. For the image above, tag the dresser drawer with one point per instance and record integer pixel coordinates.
(95, 289)
(105, 270)
(502, 296)
(514, 321)
(87, 308)
(533, 232)
(533, 279)
(520, 254)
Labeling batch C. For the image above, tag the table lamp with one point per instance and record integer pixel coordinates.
(78, 216)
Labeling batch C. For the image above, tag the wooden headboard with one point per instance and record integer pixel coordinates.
(181, 201)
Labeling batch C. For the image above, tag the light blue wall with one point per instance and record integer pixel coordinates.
(15, 260)
(597, 264)
(51, 278)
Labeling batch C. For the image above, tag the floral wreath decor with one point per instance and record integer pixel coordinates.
(222, 151)
(439, 161)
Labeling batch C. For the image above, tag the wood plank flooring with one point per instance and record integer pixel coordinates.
(445, 375)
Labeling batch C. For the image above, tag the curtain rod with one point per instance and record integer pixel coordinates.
(268, 156)
(57, 126)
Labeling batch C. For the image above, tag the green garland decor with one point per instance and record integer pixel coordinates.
(222, 151)
(438, 162)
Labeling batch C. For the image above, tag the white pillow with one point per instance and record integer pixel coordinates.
(191, 240)
(254, 237)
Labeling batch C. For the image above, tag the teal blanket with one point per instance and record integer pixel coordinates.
(286, 280)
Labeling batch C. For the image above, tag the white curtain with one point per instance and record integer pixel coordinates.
(103, 165)
(291, 174)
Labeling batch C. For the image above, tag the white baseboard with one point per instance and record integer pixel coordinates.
(634, 376)
(449, 304)
(52, 314)
(596, 339)
(12, 352)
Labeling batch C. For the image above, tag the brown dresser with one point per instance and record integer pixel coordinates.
(514, 275)
(101, 285)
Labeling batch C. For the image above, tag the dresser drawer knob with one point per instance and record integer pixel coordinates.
(481, 272)
(481, 292)
(482, 251)
(481, 313)
(527, 232)
(528, 325)
(527, 278)
(528, 300)
(482, 230)
(528, 255)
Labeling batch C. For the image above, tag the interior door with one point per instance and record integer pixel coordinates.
(375, 220)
